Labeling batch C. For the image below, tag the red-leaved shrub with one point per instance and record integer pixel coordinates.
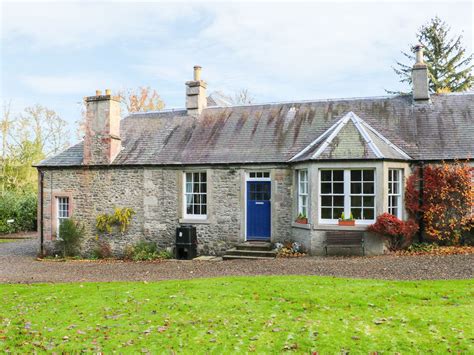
(447, 199)
(399, 233)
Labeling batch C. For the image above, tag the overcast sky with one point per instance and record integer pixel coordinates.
(56, 53)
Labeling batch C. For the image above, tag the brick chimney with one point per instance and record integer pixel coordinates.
(102, 139)
(419, 77)
(196, 99)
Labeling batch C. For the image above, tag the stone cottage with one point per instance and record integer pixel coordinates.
(246, 172)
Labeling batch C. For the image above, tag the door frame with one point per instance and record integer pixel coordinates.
(266, 179)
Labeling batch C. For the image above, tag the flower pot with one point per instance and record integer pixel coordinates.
(347, 222)
(302, 220)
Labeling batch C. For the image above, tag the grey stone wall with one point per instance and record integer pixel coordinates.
(156, 196)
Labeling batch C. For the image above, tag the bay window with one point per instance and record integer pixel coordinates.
(302, 176)
(348, 191)
(195, 195)
(395, 192)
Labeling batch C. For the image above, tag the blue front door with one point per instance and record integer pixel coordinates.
(258, 210)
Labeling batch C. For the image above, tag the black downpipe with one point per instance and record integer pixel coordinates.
(41, 175)
(421, 222)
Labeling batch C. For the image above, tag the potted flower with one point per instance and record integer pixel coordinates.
(302, 219)
(347, 222)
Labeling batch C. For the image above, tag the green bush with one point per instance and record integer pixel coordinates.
(143, 251)
(22, 208)
(70, 237)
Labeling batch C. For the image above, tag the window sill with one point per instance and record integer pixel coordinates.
(194, 221)
(301, 225)
(330, 227)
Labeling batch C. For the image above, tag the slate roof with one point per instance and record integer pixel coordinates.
(276, 133)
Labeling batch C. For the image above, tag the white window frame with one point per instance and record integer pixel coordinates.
(347, 195)
(397, 196)
(258, 176)
(303, 195)
(185, 193)
(61, 201)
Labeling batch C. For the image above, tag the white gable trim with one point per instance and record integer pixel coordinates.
(317, 140)
(361, 126)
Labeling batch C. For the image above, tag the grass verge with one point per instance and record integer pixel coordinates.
(240, 314)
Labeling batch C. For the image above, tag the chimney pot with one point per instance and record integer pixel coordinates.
(197, 73)
(108, 92)
(419, 54)
(98, 92)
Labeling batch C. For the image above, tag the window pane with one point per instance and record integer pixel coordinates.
(189, 187)
(338, 175)
(396, 175)
(368, 175)
(356, 188)
(203, 199)
(326, 188)
(326, 201)
(356, 212)
(395, 188)
(189, 209)
(326, 175)
(203, 209)
(356, 175)
(369, 188)
(338, 201)
(189, 177)
(369, 201)
(356, 201)
(368, 213)
(326, 213)
(196, 209)
(338, 188)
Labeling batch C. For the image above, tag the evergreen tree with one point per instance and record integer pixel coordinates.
(449, 69)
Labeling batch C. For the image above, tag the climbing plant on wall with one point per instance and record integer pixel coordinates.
(447, 198)
(121, 218)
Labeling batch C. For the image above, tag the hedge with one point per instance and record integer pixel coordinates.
(19, 207)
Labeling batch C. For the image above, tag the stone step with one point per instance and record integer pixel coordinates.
(244, 257)
(254, 246)
(259, 253)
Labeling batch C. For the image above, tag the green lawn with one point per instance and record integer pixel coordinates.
(240, 314)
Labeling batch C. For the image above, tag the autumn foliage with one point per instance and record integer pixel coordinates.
(447, 198)
(399, 233)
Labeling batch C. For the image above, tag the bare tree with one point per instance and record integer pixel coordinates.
(43, 127)
(243, 97)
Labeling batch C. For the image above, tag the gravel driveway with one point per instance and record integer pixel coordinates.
(18, 265)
